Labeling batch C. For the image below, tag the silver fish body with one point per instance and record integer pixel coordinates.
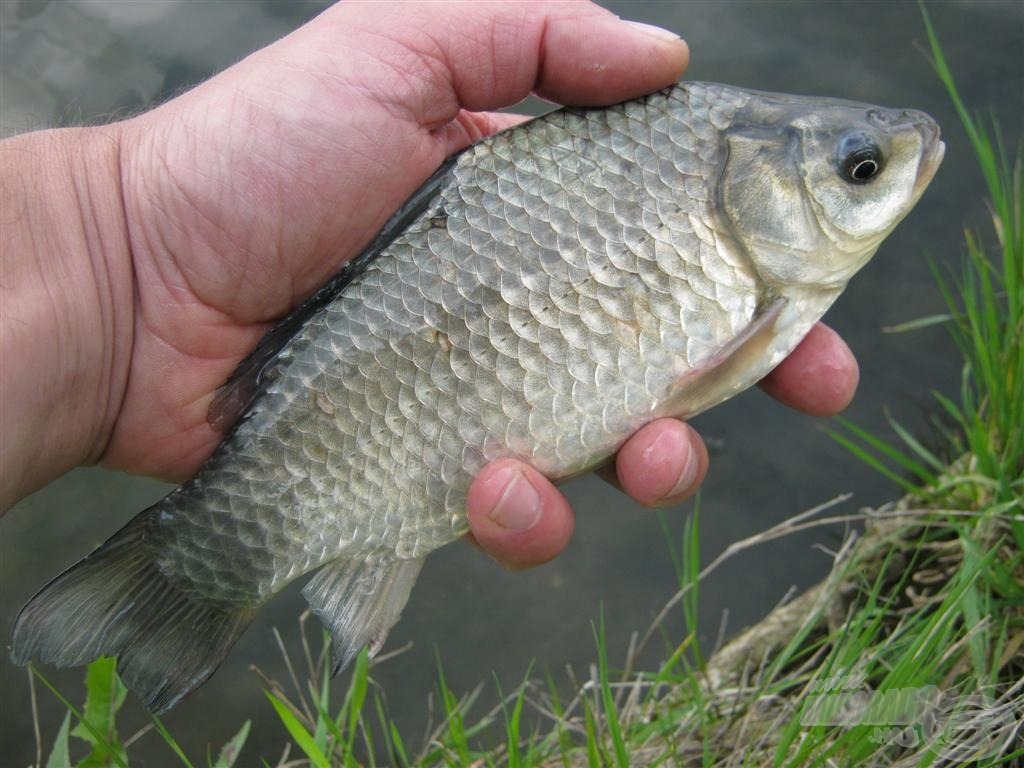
(549, 291)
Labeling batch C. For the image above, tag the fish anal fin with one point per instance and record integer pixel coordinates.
(359, 601)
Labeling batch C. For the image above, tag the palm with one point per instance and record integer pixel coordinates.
(254, 217)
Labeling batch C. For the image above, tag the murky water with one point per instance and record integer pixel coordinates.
(68, 62)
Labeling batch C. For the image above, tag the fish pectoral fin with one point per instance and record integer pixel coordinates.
(359, 601)
(726, 373)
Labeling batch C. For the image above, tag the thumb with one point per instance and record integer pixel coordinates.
(517, 516)
(441, 57)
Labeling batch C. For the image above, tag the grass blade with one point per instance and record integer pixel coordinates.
(299, 734)
(171, 742)
(59, 755)
(104, 696)
(611, 712)
(114, 755)
(230, 751)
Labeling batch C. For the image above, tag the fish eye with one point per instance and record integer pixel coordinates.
(860, 158)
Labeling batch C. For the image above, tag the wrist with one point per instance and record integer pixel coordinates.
(66, 327)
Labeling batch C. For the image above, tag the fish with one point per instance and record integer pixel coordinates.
(548, 291)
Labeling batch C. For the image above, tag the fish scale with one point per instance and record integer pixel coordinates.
(549, 291)
(356, 351)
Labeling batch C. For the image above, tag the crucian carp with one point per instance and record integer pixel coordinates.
(548, 291)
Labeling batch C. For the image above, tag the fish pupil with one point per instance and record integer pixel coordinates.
(864, 169)
(860, 158)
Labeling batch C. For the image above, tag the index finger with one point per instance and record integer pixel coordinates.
(819, 377)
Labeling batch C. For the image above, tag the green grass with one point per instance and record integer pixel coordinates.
(931, 595)
(986, 317)
(97, 728)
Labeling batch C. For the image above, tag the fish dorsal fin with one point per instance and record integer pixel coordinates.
(231, 401)
(738, 365)
(359, 601)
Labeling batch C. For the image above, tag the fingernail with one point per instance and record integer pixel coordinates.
(518, 509)
(688, 475)
(653, 31)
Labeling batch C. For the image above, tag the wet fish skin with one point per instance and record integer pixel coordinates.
(551, 290)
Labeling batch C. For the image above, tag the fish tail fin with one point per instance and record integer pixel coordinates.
(116, 601)
(359, 601)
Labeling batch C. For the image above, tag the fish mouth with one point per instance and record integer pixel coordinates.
(932, 147)
(934, 150)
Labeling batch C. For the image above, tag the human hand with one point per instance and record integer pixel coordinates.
(243, 195)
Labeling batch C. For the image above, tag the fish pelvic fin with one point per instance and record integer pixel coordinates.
(359, 601)
(117, 602)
